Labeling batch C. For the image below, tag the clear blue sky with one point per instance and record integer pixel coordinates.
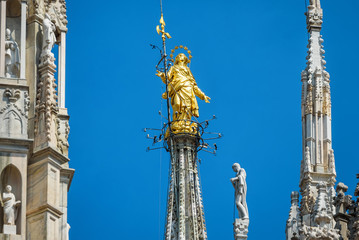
(247, 56)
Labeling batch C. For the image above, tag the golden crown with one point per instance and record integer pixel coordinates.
(182, 47)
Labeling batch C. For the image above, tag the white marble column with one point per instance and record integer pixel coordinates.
(62, 68)
(2, 37)
(23, 39)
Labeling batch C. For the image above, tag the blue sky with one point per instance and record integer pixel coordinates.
(247, 56)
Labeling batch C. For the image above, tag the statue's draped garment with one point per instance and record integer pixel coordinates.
(10, 210)
(12, 58)
(183, 90)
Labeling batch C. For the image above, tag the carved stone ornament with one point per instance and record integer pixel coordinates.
(57, 10)
(309, 100)
(314, 15)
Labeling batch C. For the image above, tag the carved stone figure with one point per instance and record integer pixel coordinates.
(240, 186)
(10, 206)
(182, 90)
(49, 38)
(12, 58)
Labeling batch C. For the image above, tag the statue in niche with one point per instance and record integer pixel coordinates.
(12, 58)
(49, 38)
(240, 186)
(10, 206)
(182, 90)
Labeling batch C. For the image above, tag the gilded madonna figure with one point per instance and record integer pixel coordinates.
(182, 89)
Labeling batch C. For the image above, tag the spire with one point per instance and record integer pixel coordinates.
(317, 173)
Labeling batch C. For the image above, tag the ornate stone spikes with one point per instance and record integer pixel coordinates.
(46, 105)
(322, 214)
(322, 218)
(294, 220)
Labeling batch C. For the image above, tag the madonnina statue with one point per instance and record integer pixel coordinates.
(182, 89)
(12, 59)
(10, 206)
(240, 186)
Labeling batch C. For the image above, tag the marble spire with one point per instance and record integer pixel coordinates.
(317, 175)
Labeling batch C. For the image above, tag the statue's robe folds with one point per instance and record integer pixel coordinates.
(183, 90)
(9, 208)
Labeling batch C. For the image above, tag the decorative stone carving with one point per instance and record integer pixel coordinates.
(309, 100)
(294, 220)
(322, 217)
(307, 201)
(308, 164)
(314, 15)
(331, 162)
(10, 206)
(12, 57)
(57, 10)
(241, 229)
(63, 130)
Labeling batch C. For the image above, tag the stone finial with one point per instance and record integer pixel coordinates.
(331, 162)
(322, 213)
(294, 221)
(314, 15)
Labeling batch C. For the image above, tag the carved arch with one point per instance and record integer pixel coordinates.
(12, 123)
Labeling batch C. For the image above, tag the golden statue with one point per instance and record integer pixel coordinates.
(182, 89)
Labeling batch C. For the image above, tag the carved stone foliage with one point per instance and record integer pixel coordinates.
(46, 110)
(307, 201)
(63, 130)
(294, 220)
(55, 8)
(309, 100)
(13, 112)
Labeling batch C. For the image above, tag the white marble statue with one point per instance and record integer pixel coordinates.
(49, 38)
(12, 58)
(240, 186)
(10, 206)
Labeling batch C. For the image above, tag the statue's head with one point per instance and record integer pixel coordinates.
(8, 188)
(8, 34)
(181, 58)
(236, 167)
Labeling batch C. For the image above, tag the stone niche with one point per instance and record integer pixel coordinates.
(14, 105)
(10, 175)
(13, 23)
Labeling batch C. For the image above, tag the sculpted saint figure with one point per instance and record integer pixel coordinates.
(10, 206)
(12, 59)
(182, 90)
(240, 186)
(49, 38)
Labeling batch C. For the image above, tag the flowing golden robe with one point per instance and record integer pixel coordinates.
(182, 90)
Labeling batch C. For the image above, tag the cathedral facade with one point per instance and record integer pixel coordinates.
(34, 124)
